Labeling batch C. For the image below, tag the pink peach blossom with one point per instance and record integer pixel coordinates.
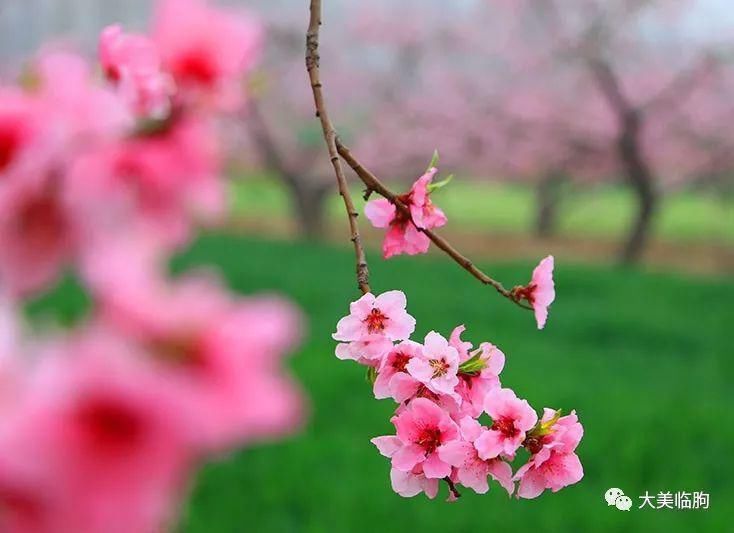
(436, 366)
(369, 350)
(393, 380)
(422, 427)
(511, 419)
(474, 386)
(553, 463)
(540, 292)
(403, 235)
(110, 442)
(472, 471)
(207, 49)
(132, 63)
(165, 182)
(223, 355)
(409, 484)
(558, 470)
(382, 315)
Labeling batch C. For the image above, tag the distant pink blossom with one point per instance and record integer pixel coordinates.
(470, 470)
(437, 365)
(512, 418)
(403, 235)
(207, 49)
(382, 315)
(132, 63)
(540, 292)
(422, 427)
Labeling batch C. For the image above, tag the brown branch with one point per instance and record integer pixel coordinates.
(452, 487)
(312, 65)
(374, 184)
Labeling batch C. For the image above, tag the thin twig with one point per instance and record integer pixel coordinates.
(374, 184)
(312, 65)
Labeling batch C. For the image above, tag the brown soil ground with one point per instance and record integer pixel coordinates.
(690, 258)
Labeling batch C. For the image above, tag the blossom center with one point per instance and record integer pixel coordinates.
(109, 424)
(9, 143)
(429, 439)
(400, 361)
(375, 321)
(196, 66)
(506, 426)
(440, 367)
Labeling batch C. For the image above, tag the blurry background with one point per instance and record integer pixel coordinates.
(600, 131)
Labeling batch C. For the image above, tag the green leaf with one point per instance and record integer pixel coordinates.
(434, 160)
(371, 375)
(439, 184)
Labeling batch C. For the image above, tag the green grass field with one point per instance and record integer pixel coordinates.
(603, 212)
(646, 360)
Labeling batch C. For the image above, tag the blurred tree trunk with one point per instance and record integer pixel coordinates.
(309, 205)
(641, 179)
(632, 158)
(548, 197)
(307, 195)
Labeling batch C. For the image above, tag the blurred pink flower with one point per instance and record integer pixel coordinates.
(511, 419)
(223, 355)
(132, 63)
(37, 233)
(382, 315)
(165, 182)
(109, 441)
(207, 49)
(422, 427)
(403, 235)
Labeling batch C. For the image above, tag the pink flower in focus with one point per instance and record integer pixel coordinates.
(540, 292)
(422, 427)
(471, 470)
(206, 49)
(553, 464)
(132, 63)
(368, 350)
(409, 484)
(511, 419)
(473, 387)
(382, 315)
(436, 366)
(393, 380)
(403, 235)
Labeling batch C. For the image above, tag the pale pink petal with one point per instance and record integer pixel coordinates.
(532, 485)
(435, 468)
(388, 444)
(407, 457)
(489, 444)
(456, 452)
(380, 212)
(502, 473)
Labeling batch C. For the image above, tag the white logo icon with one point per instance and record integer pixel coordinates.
(612, 494)
(623, 503)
